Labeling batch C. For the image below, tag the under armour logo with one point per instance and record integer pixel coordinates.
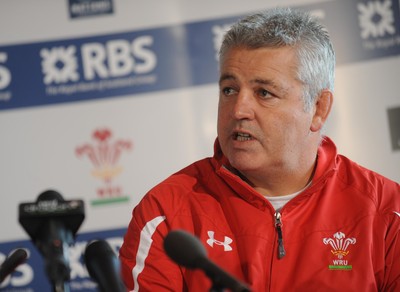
(211, 241)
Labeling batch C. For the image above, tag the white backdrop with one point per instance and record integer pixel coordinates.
(109, 148)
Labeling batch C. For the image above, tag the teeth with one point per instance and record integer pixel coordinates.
(243, 137)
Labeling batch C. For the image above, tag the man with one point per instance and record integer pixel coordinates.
(275, 206)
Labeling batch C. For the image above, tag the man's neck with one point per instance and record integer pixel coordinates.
(284, 183)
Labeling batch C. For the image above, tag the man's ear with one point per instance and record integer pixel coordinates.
(323, 105)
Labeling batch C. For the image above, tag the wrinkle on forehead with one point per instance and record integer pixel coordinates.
(292, 59)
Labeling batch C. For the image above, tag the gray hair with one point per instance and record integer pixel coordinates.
(281, 27)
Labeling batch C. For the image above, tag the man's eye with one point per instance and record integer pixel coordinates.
(228, 90)
(264, 93)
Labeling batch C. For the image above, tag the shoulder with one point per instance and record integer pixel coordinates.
(361, 176)
(196, 173)
(180, 187)
(383, 191)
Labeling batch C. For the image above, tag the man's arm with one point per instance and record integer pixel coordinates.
(392, 263)
(145, 265)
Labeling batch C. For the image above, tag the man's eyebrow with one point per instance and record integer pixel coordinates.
(266, 82)
(226, 77)
(229, 76)
(270, 83)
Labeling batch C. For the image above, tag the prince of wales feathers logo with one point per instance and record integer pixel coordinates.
(104, 155)
(339, 244)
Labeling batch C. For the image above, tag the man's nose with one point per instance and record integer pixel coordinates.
(244, 105)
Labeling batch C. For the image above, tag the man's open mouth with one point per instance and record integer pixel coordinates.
(242, 136)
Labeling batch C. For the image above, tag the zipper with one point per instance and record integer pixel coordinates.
(278, 227)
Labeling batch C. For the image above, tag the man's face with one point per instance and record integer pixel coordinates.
(262, 124)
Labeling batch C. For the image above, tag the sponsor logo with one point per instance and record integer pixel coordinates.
(226, 243)
(104, 154)
(377, 23)
(5, 78)
(340, 245)
(97, 66)
(59, 65)
(5, 75)
(376, 18)
(81, 8)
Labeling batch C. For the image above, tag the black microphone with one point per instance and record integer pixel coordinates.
(52, 223)
(13, 260)
(188, 251)
(103, 266)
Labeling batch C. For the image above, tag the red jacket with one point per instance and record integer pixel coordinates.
(340, 234)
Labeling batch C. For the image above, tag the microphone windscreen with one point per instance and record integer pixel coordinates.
(12, 262)
(50, 195)
(103, 266)
(184, 248)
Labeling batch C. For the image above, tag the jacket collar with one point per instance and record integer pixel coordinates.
(326, 163)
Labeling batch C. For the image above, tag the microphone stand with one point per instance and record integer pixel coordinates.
(219, 286)
(216, 288)
(61, 286)
(57, 265)
(216, 283)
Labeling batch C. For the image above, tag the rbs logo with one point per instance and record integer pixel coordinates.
(5, 75)
(115, 58)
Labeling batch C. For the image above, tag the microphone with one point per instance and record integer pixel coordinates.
(186, 250)
(52, 223)
(103, 266)
(13, 260)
